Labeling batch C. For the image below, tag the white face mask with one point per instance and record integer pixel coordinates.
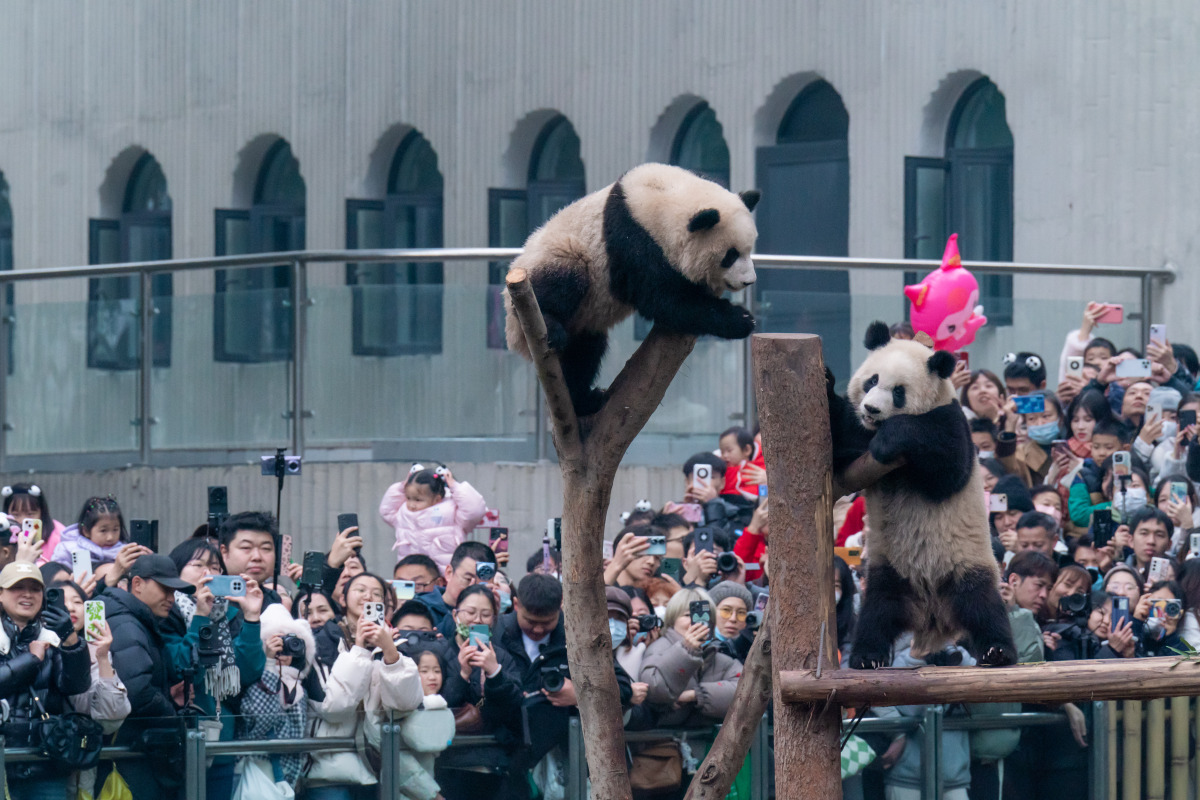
(1170, 428)
(837, 595)
(1130, 500)
(986, 454)
(661, 611)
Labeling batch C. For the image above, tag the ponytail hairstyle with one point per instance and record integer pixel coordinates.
(96, 507)
(420, 475)
(28, 495)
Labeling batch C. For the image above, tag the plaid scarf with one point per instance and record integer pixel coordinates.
(222, 680)
(276, 708)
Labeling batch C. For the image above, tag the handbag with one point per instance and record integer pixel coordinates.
(71, 739)
(468, 719)
(658, 767)
(258, 782)
(856, 755)
(115, 787)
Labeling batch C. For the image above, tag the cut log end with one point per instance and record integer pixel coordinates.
(516, 276)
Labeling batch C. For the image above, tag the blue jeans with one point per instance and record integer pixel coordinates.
(345, 792)
(49, 788)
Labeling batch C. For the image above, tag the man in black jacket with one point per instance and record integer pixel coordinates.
(138, 657)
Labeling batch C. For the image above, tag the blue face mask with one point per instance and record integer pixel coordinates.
(720, 638)
(618, 629)
(640, 637)
(1045, 433)
(505, 602)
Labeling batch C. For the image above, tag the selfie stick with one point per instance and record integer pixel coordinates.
(280, 474)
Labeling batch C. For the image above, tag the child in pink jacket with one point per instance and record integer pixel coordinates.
(425, 519)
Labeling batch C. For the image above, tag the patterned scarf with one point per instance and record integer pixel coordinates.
(222, 680)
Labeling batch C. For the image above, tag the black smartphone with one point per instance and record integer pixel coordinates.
(704, 540)
(314, 567)
(54, 597)
(498, 540)
(1120, 611)
(1102, 527)
(1187, 418)
(699, 611)
(673, 567)
(144, 532)
(218, 500)
(347, 521)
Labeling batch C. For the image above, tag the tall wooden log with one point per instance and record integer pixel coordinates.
(789, 377)
(589, 453)
(1047, 683)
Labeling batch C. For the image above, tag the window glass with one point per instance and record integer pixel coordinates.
(700, 145)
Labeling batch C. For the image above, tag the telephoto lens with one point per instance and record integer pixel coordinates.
(727, 562)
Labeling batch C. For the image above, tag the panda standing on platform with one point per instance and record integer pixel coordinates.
(660, 241)
(932, 570)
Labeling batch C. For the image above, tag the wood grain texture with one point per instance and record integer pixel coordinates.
(789, 379)
(1127, 679)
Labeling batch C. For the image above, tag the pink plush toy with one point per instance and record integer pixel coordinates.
(944, 304)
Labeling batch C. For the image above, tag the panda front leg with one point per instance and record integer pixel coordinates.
(581, 365)
(884, 616)
(686, 308)
(975, 601)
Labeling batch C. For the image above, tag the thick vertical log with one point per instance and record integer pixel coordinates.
(789, 376)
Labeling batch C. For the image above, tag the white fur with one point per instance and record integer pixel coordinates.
(276, 621)
(898, 362)
(49, 637)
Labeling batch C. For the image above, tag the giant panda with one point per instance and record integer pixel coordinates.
(931, 567)
(660, 241)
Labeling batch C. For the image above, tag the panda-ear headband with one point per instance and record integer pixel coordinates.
(643, 505)
(1033, 363)
(33, 491)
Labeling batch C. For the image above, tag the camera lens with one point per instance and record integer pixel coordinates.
(292, 646)
(648, 622)
(293, 466)
(552, 679)
(205, 634)
(727, 562)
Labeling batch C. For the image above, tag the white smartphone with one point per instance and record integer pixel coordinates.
(93, 619)
(608, 550)
(373, 612)
(1134, 368)
(81, 565)
(1075, 366)
(997, 503)
(31, 531)
(702, 476)
(1158, 570)
(1158, 334)
(405, 590)
(1193, 546)
(1153, 412)
(1121, 464)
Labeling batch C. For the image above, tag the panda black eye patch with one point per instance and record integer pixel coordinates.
(731, 255)
(898, 397)
(870, 383)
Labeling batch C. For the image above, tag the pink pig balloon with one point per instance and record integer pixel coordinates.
(944, 304)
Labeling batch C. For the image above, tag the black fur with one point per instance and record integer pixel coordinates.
(886, 612)
(978, 608)
(937, 447)
(703, 220)
(559, 293)
(750, 197)
(850, 438)
(581, 364)
(942, 362)
(641, 276)
(877, 336)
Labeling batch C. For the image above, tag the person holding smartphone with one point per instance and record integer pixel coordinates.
(631, 564)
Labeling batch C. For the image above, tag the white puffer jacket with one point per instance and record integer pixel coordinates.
(360, 689)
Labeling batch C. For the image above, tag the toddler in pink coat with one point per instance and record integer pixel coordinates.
(425, 519)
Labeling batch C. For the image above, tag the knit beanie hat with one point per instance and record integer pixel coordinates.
(1018, 496)
(727, 589)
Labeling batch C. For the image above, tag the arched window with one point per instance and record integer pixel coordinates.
(969, 192)
(805, 210)
(700, 145)
(141, 233)
(397, 307)
(252, 317)
(556, 179)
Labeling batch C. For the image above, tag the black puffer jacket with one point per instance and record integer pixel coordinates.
(63, 672)
(139, 659)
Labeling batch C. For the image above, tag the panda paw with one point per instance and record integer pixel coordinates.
(867, 660)
(588, 403)
(734, 322)
(998, 655)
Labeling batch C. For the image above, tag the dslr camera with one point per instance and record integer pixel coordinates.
(292, 646)
(648, 622)
(727, 562)
(554, 677)
(208, 646)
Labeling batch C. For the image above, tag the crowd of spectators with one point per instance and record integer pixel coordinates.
(1094, 534)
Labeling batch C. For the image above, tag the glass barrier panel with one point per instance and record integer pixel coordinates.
(73, 381)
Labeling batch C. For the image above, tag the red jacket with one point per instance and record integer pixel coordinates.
(751, 547)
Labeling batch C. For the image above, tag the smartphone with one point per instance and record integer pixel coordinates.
(547, 559)
(1153, 412)
(702, 476)
(658, 546)
(607, 550)
(762, 490)
(314, 569)
(485, 570)
(405, 590)
(1158, 570)
(673, 567)
(218, 500)
(1134, 368)
(693, 512)
(1075, 366)
(1120, 611)
(1102, 527)
(81, 565)
(285, 548)
(31, 530)
(1030, 403)
(1113, 315)
(997, 503)
(227, 586)
(345, 521)
(1158, 334)
(373, 612)
(479, 635)
(554, 532)
(93, 619)
(964, 357)
(1179, 491)
(1121, 463)
(1059, 446)
(54, 597)
(758, 614)
(1187, 418)
(1193, 546)
(144, 532)
(704, 540)
(699, 611)
(498, 539)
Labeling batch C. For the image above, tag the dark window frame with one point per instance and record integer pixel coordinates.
(498, 269)
(681, 134)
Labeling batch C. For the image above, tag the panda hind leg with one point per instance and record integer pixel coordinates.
(975, 602)
(581, 359)
(884, 616)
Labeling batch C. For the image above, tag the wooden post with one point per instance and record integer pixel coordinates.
(1179, 748)
(789, 377)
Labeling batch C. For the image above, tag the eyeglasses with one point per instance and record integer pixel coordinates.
(728, 613)
(468, 614)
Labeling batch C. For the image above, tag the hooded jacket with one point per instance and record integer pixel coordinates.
(72, 539)
(433, 531)
(671, 668)
(62, 673)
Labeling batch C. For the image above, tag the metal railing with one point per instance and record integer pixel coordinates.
(299, 262)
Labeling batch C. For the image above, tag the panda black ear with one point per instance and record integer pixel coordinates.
(708, 218)
(878, 335)
(942, 362)
(750, 197)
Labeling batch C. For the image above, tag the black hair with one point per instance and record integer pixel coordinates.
(1038, 519)
(1112, 427)
(429, 478)
(535, 559)
(539, 594)
(26, 490)
(413, 608)
(1133, 351)
(51, 570)
(744, 437)
(639, 518)
(1172, 586)
(990, 376)
(1187, 356)
(389, 596)
(634, 591)
(716, 462)
(668, 521)
(1020, 369)
(96, 507)
(1147, 513)
(420, 560)
(479, 588)
(844, 611)
(993, 466)
(900, 329)
(78, 589)
(1042, 488)
(1094, 403)
(190, 548)
(476, 550)
(1100, 341)
(635, 529)
(1165, 483)
(1032, 564)
(985, 425)
(261, 521)
(333, 604)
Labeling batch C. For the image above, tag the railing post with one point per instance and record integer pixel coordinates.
(195, 767)
(299, 308)
(577, 774)
(760, 762)
(1098, 752)
(931, 753)
(1147, 301)
(145, 363)
(1131, 778)
(389, 743)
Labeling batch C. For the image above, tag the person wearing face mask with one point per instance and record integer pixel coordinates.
(1155, 442)
(620, 609)
(1025, 444)
(732, 603)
